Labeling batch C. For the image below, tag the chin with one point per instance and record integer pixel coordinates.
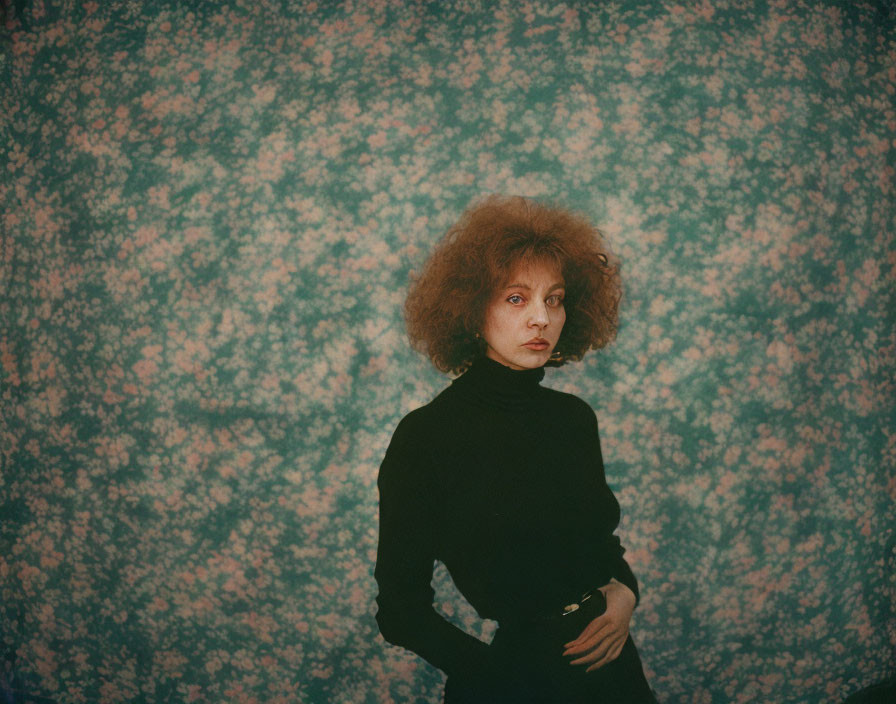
(532, 361)
(515, 359)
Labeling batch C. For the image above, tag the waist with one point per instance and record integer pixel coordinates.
(582, 609)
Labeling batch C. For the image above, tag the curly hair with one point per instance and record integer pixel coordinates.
(447, 301)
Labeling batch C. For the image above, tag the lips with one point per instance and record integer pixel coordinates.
(538, 343)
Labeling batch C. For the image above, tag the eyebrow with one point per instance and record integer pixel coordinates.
(529, 288)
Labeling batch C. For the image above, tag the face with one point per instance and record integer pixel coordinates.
(524, 320)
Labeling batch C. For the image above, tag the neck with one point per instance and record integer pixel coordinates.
(490, 383)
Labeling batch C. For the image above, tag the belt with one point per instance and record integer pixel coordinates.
(585, 600)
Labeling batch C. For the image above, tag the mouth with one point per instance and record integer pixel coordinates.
(538, 344)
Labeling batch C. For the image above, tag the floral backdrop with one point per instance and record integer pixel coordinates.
(209, 213)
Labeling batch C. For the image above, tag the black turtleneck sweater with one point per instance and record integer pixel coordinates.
(502, 480)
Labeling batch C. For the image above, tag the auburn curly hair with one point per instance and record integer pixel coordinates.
(447, 301)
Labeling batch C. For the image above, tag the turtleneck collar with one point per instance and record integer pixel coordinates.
(491, 383)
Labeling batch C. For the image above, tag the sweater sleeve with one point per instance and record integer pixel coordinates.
(404, 564)
(619, 567)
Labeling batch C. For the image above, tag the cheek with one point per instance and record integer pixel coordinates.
(558, 321)
(495, 323)
(504, 316)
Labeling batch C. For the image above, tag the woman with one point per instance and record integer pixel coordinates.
(501, 478)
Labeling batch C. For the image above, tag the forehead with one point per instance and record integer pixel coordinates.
(533, 272)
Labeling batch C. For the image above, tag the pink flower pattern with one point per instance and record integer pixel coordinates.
(208, 216)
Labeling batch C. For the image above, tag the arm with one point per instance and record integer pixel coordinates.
(619, 568)
(404, 564)
(622, 573)
(601, 641)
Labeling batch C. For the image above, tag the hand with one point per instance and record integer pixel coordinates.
(601, 640)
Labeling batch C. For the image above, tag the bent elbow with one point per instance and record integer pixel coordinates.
(392, 627)
(401, 624)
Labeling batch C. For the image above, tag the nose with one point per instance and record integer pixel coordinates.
(538, 317)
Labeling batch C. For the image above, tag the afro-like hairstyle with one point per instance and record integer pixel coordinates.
(446, 303)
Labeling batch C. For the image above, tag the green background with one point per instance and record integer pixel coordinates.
(209, 213)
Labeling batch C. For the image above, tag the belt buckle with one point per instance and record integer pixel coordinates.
(572, 608)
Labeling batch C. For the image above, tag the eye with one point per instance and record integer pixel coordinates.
(555, 300)
(515, 299)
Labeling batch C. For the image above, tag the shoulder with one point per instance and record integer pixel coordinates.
(570, 403)
(407, 431)
(418, 430)
(408, 458)
(422, 420)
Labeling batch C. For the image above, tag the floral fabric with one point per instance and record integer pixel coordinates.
(209, 214)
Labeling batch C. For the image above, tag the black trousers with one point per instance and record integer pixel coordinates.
(532, 668)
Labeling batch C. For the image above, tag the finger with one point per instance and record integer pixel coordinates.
(607, 659)
(597, 654)
(585, 635)
(593, 627)
(589, 643)
(604, 651)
